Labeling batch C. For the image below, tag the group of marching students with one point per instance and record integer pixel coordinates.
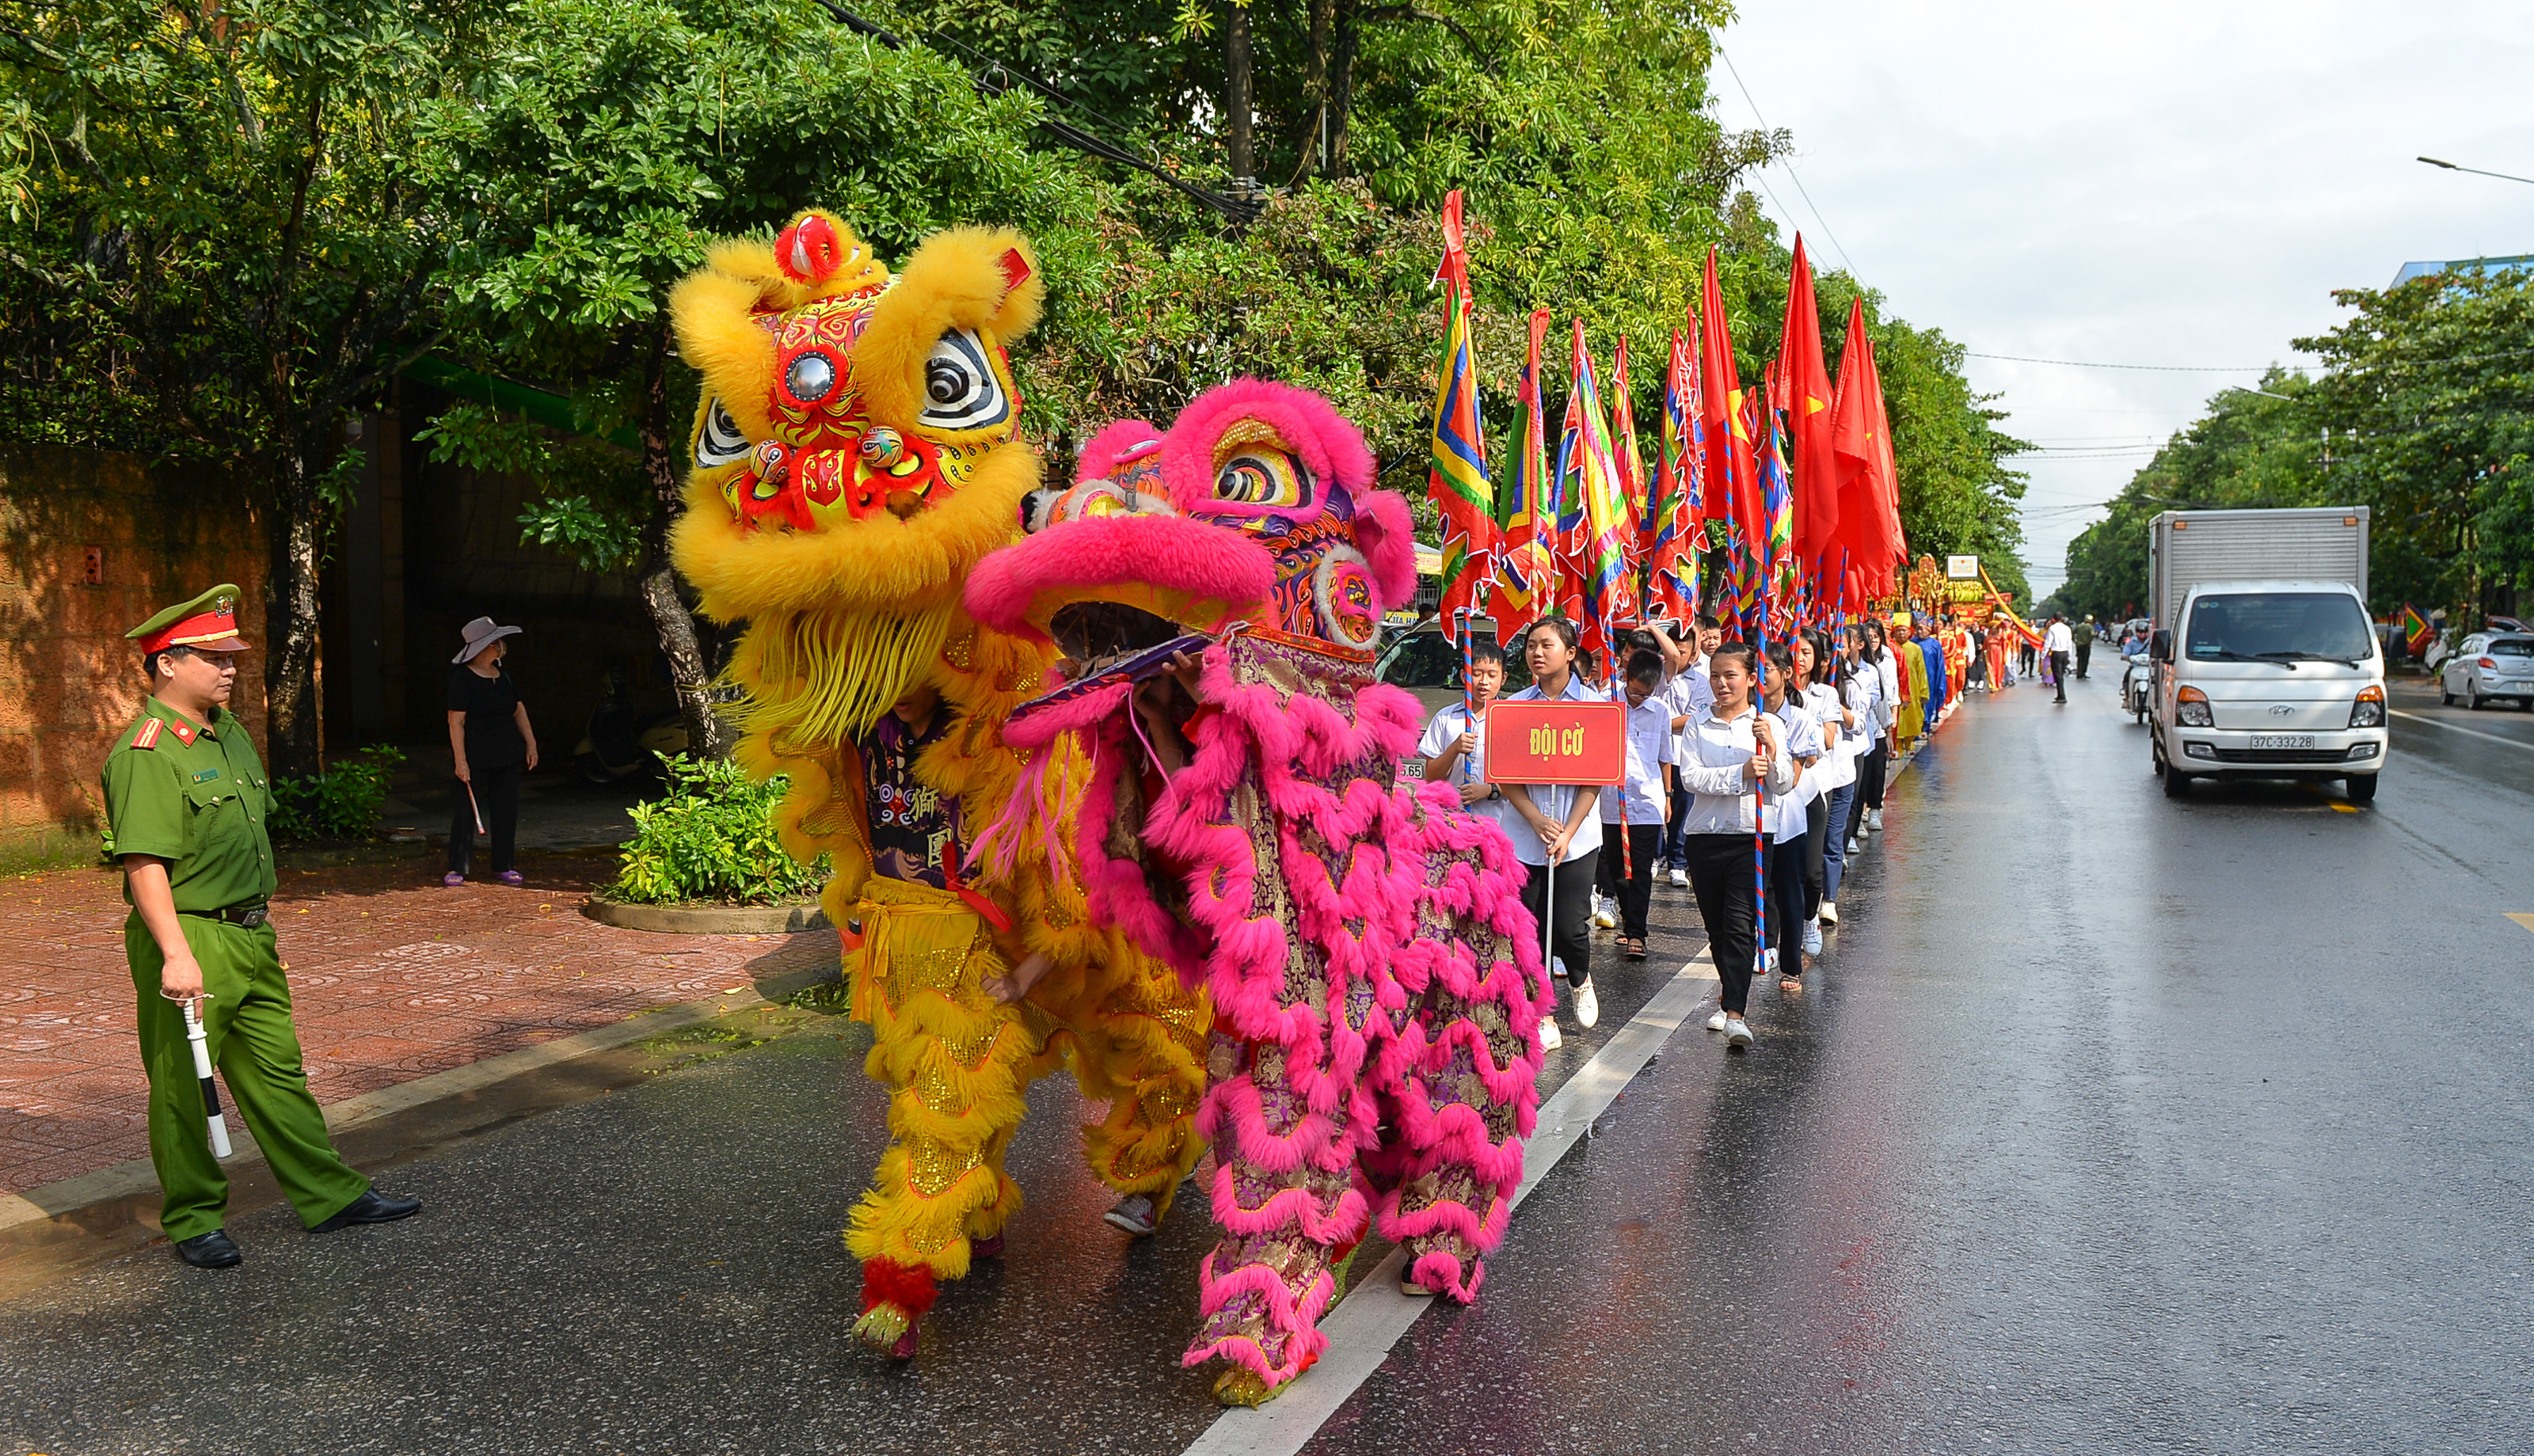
(1728, 744)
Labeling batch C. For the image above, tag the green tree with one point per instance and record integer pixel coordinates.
(2425, 392)
(219, 245)
(609, 143)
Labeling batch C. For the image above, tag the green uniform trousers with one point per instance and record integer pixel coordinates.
(252, 1040)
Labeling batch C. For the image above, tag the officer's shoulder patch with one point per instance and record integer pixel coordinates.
(207, 776)
(147, 737)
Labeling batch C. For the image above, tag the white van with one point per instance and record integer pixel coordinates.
(2270, 679)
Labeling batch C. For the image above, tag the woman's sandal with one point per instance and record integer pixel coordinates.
(1635, 947)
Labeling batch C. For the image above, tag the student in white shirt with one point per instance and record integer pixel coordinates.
(1815, 661)
(1559, 824)
(1887, 671)
(1856, 695)
(1787, 818)
(1723, 757)
(1628, 875)
(1688, 695)
(1455, 744)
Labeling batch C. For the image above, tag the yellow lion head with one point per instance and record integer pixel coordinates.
(858, 436)
(856, 451)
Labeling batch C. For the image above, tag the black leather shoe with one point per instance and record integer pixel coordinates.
(371, 1207)
(211, 1251)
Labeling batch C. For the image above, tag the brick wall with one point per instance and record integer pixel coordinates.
(68, 682)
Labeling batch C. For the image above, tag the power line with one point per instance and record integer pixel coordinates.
(2159, 368)
(1241, 210)
(1789, 166)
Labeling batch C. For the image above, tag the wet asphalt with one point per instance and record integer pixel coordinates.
(2106, 1123)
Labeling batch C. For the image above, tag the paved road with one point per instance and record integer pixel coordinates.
(2109, 1124)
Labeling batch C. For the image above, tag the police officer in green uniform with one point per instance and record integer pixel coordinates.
(185, 801)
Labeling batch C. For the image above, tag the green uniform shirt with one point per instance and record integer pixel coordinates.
(195, 797)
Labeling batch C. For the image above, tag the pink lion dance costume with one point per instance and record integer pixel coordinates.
(1377, 983)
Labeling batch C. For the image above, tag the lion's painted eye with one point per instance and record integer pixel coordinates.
(960, 388)
(721, 441)
(1263, 477)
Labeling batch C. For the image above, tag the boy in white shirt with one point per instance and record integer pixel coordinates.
(1648, 804)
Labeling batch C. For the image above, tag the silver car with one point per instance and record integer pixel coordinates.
(2487, 665)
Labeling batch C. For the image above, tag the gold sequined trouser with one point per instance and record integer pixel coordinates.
(955, 1064)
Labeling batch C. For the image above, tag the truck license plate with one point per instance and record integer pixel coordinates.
(2283, 740)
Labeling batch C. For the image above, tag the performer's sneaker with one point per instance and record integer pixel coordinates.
(1135, 1214)
(1737, 1032)
(1679, 876)
(1587, 1005)
(1874, 819)
(1856, 846)
(1812, 938)
(1550, 1040)
(211, 1251)
(1606, 912)
(989, 1246)
(1830, 912)
(371, 1207)
(1408, 1286)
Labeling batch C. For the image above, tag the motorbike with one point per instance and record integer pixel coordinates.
(621, 742)
(2136, 681)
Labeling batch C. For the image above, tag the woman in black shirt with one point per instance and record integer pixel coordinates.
(490, 736)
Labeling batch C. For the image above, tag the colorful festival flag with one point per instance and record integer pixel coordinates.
(1729, 472)
(1803, 379)
(1628, 463)
(1457, 473)
(1525, 569)
(2417, 633)
(1672, 567)
(1587, 491)
(1777, 508)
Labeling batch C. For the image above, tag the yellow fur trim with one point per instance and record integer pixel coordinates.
(955, 280)
(718, 333)
(827, 678)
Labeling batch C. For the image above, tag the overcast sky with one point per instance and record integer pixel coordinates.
(2145, 183)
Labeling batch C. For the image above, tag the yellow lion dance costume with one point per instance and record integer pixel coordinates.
(856, 453)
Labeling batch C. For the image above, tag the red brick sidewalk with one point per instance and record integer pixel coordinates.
(394, 976)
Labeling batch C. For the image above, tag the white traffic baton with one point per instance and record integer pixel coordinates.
(219, 1126)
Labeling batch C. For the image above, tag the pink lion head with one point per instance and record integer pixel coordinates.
(1256, 509)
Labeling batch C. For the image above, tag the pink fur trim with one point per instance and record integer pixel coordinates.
(1440, 1270)
(1105, 452)
(1200, 562)
(1328, 445)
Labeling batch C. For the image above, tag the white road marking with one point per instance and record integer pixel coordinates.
(1371, 1318)
(2469, 732)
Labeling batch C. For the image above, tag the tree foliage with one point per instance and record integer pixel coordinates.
(218, 241)
(2421, 414)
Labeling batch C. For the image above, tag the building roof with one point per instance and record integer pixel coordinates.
(2521, 263)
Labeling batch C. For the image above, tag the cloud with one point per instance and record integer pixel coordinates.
(2154, 184)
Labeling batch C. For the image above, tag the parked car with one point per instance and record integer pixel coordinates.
(2487, 665)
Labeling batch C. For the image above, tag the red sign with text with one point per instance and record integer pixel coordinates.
(1540, 742)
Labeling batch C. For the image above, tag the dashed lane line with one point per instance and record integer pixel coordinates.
(2521, 918)
(1369, 1320)
(2468, 731)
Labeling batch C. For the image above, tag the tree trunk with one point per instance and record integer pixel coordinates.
(1237, 104)
(1342, 84)
(1315, 88)
(708, 736)
(290, 706)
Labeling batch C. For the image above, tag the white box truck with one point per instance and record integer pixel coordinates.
(2266, 663)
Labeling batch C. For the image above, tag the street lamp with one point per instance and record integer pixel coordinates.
(2476, 171)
